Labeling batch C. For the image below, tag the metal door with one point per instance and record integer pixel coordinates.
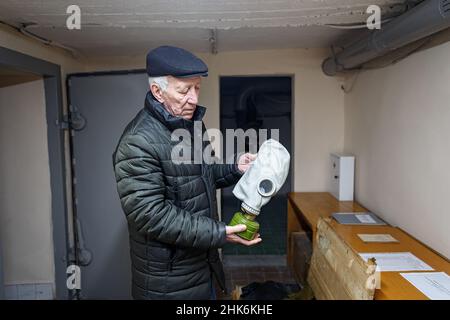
(106, 103)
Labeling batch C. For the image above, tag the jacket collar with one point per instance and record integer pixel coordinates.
(157, 110)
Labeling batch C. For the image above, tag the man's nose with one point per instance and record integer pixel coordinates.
(192, 96)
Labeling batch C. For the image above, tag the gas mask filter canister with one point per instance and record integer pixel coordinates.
(259, 184)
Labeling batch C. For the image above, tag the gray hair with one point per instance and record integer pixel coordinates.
(162, 82)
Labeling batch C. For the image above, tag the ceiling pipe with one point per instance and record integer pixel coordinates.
(426, 18)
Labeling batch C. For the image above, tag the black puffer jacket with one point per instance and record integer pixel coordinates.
(171, 208)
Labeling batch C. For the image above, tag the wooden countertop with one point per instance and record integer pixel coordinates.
(310, 206)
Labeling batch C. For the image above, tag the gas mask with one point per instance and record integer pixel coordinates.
(259, 184)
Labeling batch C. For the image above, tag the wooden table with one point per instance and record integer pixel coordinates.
(305, 209)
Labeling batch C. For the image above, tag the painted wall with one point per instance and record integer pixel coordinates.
(397, 123)
(25, 198)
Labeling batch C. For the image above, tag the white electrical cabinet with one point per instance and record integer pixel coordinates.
(342, 176)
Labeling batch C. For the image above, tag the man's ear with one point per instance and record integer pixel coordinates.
(157, 92)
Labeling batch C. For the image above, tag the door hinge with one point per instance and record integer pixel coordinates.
(74, 121)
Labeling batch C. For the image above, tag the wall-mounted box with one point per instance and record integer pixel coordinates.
(342, 176)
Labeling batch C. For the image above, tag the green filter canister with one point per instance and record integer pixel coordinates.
(249, 221)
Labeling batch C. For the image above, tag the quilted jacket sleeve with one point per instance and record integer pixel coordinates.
(226, 175)
(141, 188)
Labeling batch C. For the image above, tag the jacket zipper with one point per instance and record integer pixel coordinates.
(207, 191)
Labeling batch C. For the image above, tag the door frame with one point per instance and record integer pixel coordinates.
(51, 74)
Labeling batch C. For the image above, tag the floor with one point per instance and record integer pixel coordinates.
(241, 270)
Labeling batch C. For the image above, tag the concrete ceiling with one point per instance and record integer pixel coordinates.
(128, 27)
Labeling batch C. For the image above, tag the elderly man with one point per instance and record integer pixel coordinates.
(171, 207)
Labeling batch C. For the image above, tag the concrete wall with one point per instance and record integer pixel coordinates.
(25, 199)
(397, 123)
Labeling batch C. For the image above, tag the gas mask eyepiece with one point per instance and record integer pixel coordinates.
(266, 188)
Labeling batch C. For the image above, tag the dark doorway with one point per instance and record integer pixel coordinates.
(258, 103)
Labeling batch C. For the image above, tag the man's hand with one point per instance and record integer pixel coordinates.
(245, 161)
(234, 238)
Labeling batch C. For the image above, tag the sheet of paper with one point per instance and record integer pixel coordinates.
(357, 218)
(381, 237)
(435, 285)
(365, 218)
(397, 261)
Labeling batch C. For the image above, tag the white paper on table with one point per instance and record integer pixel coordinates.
(435, 285)
(376, 237)
(397, 261)
(365, 218)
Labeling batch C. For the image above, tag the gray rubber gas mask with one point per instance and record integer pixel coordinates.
(260, 183)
